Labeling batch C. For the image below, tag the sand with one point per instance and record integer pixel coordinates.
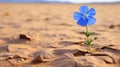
(53, 39)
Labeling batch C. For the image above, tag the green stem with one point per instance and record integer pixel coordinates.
(87, 32)
(87, 29)
(90, 49)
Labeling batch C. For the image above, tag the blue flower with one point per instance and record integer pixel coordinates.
(85, 16)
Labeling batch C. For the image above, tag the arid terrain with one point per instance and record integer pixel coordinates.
(46, 35)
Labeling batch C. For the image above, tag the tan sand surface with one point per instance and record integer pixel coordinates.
(54, 38)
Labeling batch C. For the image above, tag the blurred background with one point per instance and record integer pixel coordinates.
(67, 1)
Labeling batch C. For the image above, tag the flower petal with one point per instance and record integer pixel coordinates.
(83, 9)
(83, 22)
(77, 15)
(91, 21)
(91, 12)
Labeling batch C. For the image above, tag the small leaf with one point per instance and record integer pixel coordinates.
(89, 42)
(87, 34)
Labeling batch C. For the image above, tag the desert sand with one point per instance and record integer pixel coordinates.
(46, 35)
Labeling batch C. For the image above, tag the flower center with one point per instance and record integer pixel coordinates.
(85, 15)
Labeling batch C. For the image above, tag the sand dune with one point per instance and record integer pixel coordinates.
(53, 39)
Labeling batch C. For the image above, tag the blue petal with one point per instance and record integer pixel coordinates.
(77, 15)
(83, 22)
(91, 21)
(91, 12)
(83, 9)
